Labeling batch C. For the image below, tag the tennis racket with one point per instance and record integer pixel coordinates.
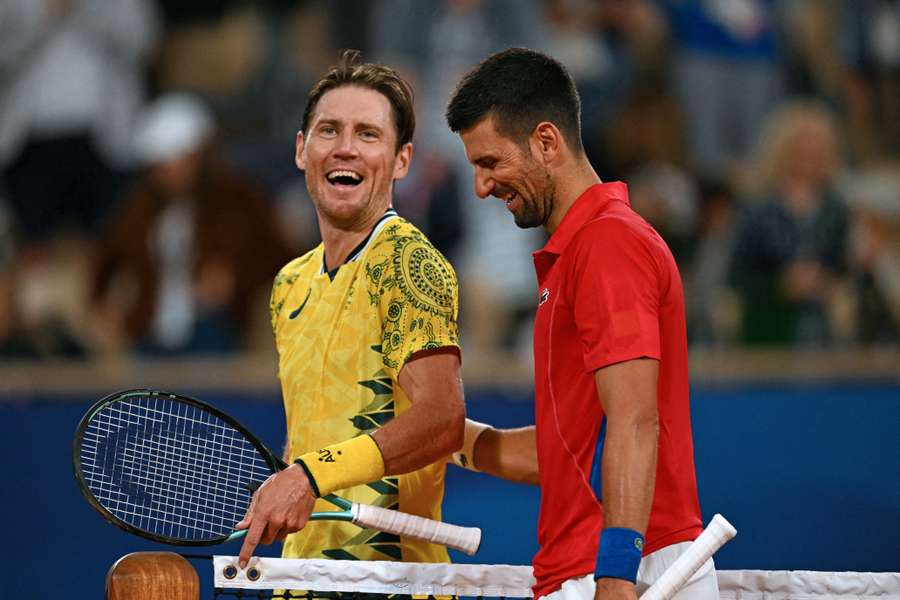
(176, 470)
(716, 534)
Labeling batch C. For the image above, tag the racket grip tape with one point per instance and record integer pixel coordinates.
(716, 534)
(465, 539)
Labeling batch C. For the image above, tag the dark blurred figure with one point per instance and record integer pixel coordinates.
(667, 197)
(71, 75)
(615, 52)
(790, 252)
(727, 73)
(876, 255)
(870, 45)
(712, 314)
(193, 247)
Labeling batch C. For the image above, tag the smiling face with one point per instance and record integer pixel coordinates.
(509, 171)
(350, 158)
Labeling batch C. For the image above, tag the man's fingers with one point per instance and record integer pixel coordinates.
(250, 543)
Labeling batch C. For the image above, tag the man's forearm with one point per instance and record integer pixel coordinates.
(509, 454)
(629, 473)
(420, 436)
(433, 426)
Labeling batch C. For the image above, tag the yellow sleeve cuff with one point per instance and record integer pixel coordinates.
(353, 462)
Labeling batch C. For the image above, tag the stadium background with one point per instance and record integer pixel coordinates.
(713, 111)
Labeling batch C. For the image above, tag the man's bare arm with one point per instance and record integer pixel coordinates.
(432, 428)
(508, 453)
(628, 395)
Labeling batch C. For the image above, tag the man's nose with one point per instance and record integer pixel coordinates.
(484, 185)
(346, 144)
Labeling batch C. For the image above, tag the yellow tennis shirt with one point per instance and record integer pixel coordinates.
(342, 342)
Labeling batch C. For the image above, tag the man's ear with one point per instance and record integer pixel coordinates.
(402, 161)
(546, 142)
(299, 159)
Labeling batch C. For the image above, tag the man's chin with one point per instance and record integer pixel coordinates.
(526, 221)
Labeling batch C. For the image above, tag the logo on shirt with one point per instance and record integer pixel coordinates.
(545, 293)
(294, 313)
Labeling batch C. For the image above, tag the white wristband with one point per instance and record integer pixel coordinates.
(465, 458)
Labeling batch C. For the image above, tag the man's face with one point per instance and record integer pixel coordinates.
(349, 156)
(508, 171)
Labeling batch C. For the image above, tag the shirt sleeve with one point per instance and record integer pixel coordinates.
(615, 289)
(417, 298)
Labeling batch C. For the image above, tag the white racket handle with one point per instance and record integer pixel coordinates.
(466, 539)
(711, 539)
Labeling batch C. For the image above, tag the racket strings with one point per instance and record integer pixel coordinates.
(169, 468)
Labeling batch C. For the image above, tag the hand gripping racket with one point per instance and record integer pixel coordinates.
(176, 470)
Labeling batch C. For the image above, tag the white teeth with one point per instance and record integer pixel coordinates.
(343, 173)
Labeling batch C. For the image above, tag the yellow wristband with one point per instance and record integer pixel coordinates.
(339, 466)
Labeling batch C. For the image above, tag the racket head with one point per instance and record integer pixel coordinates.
(168, 467)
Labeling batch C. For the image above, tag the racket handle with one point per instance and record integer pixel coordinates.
(713, 537)
(465, 539)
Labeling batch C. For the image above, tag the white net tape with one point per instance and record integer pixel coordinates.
(376, 577)
(515, 581)
(799, 585)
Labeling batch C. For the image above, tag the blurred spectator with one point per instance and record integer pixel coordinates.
(876, 254)
(614, 51)
(726, 71)
(870, 44)
(668, 198)
(712, 311)
(193, 249)
(790, 251)
(41, 308)
(70, 75)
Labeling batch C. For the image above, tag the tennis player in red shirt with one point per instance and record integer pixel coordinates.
(613, 431)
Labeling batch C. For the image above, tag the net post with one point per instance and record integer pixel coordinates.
(152, 576)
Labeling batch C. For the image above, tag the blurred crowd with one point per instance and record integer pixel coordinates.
(148, 192)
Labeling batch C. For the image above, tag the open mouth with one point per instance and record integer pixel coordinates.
(344, 177)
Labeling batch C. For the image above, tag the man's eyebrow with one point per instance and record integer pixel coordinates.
(364, 125)
(357, 126)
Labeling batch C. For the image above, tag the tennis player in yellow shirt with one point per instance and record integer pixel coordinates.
(366, 330)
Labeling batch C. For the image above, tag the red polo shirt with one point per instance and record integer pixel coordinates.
(609, 292)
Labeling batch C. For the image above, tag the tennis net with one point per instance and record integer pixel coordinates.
(167, 575)
(369, 580)
(315, 578)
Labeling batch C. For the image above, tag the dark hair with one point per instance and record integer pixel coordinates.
(350, 70)
(520, 88)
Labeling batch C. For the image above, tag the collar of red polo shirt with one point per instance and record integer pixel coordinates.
(586, 207)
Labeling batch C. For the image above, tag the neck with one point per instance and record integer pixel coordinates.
(340, 239)
(571, 182)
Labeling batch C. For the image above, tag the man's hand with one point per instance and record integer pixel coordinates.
(280, 506)
(609, 588)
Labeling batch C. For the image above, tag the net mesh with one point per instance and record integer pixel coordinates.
(169, 468)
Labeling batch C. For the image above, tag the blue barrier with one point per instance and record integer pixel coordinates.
(810, 476)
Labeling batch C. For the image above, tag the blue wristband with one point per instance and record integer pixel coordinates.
(619, 554)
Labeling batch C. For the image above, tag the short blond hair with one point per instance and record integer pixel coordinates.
(777, 148)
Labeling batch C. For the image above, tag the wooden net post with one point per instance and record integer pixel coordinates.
(152, 576)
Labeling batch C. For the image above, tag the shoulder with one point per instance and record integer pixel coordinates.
(617, 233)
(402, 258)
(298, 267)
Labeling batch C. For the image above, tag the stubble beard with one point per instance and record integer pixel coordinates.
(535, 212)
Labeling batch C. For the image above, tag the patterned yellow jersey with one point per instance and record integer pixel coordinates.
(342, 339)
